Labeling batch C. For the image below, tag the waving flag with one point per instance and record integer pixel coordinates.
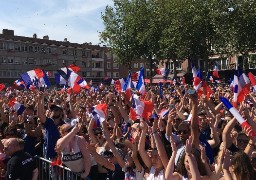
(44, 81)
(164, 72)
(136, 75)
(59, 79)
(142, 108)
(32, 76)
(236, 114)
(235, 89)
(243, 85)
(163, 112)
(253, 80)
(141, 85)
(16, 106)
(74, 68)
(215, 72)
(119, 84)
(101, 111)
(194, 71)
(19, 83)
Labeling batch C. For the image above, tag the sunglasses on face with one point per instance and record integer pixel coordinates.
(243, 141)
(183, 131)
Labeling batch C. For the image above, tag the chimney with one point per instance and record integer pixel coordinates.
(34, 36)
(65, 40)
(46, 37)
(8, 32)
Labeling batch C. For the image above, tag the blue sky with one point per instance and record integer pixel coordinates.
(77, 20)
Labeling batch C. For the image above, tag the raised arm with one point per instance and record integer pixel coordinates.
(40, 108)
(191, 160)
(169, 174)
(142, 150)
(135, 152)
(194, 121)
(64, 141)
(159, 144)
(112, 146)
(226, 137)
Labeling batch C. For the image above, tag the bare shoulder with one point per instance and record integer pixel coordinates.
(81, 140)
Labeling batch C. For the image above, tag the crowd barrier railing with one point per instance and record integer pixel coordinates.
(48, 172)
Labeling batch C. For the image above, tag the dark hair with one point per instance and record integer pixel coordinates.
(243, 168)
(181, 166)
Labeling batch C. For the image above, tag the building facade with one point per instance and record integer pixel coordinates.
(20, 54)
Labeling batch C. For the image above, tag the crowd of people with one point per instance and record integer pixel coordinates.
(197, 138)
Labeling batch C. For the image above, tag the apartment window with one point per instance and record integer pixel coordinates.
(36, 49)
(252, 61)
(2, 45)
(141, 64)
(88, 74)
(178, 67)
(49, 50)
(74, 52)
(136, 65)
(10, 60)
(97, 65)
(84, 53)
(65, 51)
(115, 65)
(109, 74)
(10, 46)
(115, 74)
(30, 48)
(108, 65)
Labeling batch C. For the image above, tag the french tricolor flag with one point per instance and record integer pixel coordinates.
(243, 85)
(44, 81)
(19, 83)
(31, 76)
(74, 68)
(16, 106)
(101, 111)
(235, 89)
(197, 82)
(83, 84)
(141, 85)
(253, 80)
(163, 112)
(215, 72)
(136, 75)
(119, 84)
(96, 119)
(65, 72)
(59, 79)
(194, 71)
(142, 108)
(236, 114)
(73, 81)
(163, 71)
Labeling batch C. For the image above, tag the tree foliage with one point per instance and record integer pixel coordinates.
(178, 29)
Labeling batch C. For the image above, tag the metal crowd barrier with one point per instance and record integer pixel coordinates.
(48, 172)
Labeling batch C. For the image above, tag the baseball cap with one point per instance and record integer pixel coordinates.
(54, 106)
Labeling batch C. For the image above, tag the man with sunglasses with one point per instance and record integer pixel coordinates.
(51, 125)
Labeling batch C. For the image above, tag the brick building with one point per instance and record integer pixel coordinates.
(19, 54)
